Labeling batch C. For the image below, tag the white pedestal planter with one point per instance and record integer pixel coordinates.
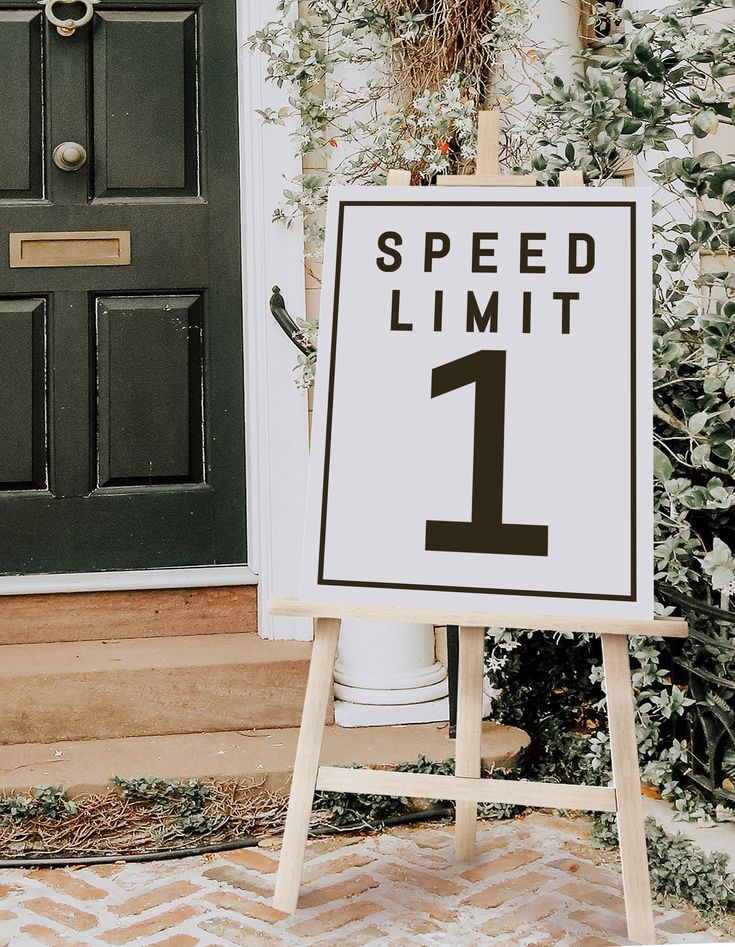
(386, 673)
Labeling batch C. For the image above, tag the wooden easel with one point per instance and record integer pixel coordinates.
(466, 787)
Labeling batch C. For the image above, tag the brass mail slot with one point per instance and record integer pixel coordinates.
(71, 248)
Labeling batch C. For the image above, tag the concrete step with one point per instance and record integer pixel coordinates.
(87, 766)
(142, 613)
(90, 690)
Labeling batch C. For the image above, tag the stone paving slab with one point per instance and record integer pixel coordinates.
(536, 882)
(85, 766)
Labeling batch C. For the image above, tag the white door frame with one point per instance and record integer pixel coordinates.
(275, 410)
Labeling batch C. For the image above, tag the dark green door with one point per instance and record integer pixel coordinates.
(121, 408)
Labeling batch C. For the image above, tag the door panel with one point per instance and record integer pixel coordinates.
(21, 154)
(121, 418)
(149, 353)
(23, 402)
(145, 143)
(70, 400)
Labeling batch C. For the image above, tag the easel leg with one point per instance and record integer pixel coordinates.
(627, 782)
(468, 747)
(306, 765)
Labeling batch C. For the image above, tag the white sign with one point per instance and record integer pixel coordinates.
(482, 427)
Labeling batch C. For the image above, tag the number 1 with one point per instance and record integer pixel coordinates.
(486, 531)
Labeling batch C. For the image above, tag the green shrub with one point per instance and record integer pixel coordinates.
(47, 801)
(186, 798)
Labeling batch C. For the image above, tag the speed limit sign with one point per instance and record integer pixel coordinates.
(482, 428)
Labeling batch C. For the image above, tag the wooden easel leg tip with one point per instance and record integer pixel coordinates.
(286, 905)
(465, 854)
(645, 936)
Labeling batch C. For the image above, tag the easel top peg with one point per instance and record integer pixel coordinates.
(571, 178)
(487, 164)
(488, 143)
(660, 627)
(397, 177)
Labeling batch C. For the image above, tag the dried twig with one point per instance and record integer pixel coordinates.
(110, 824)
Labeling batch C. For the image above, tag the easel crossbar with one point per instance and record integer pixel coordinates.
(467, 789)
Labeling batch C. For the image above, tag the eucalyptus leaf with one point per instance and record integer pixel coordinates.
(662, 466)
(697, 422)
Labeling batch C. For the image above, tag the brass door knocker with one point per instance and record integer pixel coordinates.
(69, 26)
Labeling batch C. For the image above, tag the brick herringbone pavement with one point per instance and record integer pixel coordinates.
(537, 881)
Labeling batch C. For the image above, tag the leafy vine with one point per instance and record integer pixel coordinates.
(398, 84)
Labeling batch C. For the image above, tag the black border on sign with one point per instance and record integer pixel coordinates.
(633, 427)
